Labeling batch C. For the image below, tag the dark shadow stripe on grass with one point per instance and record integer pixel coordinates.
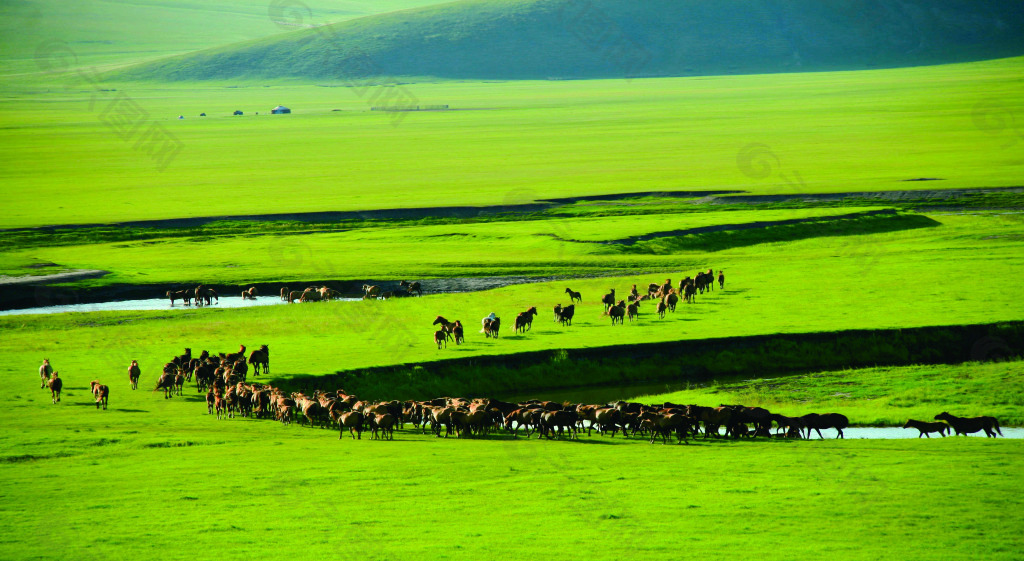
(675, 361)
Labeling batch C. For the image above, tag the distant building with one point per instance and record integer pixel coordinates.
(237, 112)
(280, 109)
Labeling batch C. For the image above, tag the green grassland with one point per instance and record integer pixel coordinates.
(160, 478)
(357, 251)
(156, 478)
(516, 142)
(927, 276)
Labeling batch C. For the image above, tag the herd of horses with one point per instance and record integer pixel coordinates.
(228, 393)
(203, 295)
(665, 296)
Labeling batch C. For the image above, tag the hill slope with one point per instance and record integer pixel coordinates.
(539, 39)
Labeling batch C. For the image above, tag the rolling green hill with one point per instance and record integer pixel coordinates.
(113, 33)
(567, 39)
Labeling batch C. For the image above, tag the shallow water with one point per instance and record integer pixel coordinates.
(152, 304)
(629, 392)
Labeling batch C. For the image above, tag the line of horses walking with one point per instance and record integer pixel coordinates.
(665, 295)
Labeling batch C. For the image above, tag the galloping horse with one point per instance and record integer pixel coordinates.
(965, 425)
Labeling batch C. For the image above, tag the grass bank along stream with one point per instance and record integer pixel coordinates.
(680, 361)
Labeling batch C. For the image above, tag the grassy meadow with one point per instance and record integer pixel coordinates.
(161, 479)
(506, 142)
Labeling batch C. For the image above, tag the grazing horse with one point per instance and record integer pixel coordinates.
(133, 374)
(55, 384)
(967, 425)
(787, 424)
(411, 287)
(250, 293)
(284, 293)
(926, 427)
(45, 370)
(574, 296)
(100, 392)
(816, 422)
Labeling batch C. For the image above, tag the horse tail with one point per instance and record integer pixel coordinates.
(995, 425)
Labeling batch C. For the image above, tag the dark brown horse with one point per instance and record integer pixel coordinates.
(574, 296)
(968, 425)
(55, 384)
(133, 374)
(816, 422)
(926, 427)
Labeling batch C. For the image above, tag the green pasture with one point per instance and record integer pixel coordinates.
(151, 477)
(72, 156)
(875, 396)
(490, 247)
(930, 276)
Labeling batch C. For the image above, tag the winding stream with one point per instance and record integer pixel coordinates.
(152, 304)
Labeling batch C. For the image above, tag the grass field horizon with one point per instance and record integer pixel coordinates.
(934, 122)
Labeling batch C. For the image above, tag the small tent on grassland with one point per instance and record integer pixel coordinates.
(280, 109)
(238, 112)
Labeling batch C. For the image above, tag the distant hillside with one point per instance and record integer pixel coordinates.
(566, 39)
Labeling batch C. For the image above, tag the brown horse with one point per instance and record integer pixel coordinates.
(260, 357)
(447, 326)
(354, 422)
(574, 296)
(926, 427)
(440, 338)
(250, 293)
(55, 384)
(524, 321)
(100, 392)
(133, 374)
(491, 326)
(411, 287)
(968, 425)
